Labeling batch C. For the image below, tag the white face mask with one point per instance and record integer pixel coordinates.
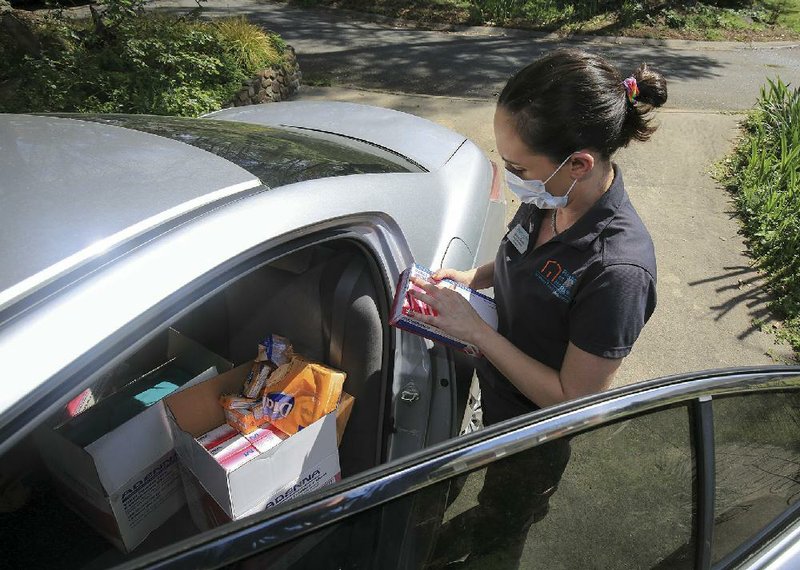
(534, 192)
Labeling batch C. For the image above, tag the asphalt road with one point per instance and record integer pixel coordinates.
(376, 53)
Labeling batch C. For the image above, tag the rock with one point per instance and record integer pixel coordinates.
(20, 29)
(271, 84)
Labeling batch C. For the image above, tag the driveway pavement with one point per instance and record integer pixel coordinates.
(710, 298)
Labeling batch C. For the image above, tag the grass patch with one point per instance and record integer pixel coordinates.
(763, 175)
(132, 62)
(712, 20)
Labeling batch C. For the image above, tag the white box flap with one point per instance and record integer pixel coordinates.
(131, 447)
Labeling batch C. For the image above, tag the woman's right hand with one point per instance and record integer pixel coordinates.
(463, 277)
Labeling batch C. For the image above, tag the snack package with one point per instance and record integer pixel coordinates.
(244, 414)
(299, 393)
(273, 351)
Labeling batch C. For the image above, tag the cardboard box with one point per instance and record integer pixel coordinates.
(343, 412)
(405, 306)
(114, 463)
(204, 511)
(303, 462)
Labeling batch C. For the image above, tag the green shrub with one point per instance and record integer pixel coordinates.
(136, 63)
(251, 47)
(764, 176)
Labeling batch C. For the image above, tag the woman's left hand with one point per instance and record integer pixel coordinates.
(455, 315)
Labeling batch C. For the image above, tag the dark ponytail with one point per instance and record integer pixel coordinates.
(652, 93)
(571, 99)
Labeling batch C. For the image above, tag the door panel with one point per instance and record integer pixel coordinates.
(625, 500)
(757, 464)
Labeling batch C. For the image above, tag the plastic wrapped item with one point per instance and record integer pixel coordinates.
(244, 414)
(299, 393)
(273, 351)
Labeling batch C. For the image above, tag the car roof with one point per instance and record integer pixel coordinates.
(73, 189)
(422, 141)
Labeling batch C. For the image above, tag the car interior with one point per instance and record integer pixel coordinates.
(328, 299)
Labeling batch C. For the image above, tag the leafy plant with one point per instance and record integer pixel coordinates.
(764, 177)
(249, 45)
(499, 11)
(143, 63)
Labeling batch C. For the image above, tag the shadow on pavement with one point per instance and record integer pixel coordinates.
(741, 285)
(333, 46)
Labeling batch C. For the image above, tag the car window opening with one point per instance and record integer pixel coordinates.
(94, 476)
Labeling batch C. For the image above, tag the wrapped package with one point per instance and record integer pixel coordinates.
(299, 393)
(244, 414)
(273, 351)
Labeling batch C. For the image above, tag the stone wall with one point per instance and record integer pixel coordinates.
(277, 83)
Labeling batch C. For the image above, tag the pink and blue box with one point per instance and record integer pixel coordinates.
(406, 308)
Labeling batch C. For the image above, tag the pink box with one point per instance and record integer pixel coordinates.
(234, 452)
(265, 438)
(217, 436)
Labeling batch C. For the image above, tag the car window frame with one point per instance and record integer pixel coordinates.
(459, 456)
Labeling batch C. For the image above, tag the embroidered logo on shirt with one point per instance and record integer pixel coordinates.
(557, 279)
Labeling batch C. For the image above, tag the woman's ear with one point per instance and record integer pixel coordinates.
(581, 164)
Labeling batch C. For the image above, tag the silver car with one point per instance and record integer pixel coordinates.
(298, 218)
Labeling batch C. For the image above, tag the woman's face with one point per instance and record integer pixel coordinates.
(521, 160)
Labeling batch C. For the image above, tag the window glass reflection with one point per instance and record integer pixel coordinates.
(757, 463)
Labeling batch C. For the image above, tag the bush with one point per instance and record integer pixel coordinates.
(764, 176)
(133, 62)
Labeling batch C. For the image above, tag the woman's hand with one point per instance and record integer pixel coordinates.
(477, 278)
(455, 315)
(463, 277)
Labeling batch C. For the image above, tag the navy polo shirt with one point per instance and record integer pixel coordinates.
(593, 285)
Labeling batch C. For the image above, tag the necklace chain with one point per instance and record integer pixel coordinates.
(553, 221)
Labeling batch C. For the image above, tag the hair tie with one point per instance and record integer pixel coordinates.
(631, 88)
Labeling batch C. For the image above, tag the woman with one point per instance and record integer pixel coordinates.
(575, 277)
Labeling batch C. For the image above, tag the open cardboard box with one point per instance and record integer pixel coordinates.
(114, 463)
(301, 463)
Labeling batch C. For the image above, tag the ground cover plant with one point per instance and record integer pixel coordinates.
(126, 60)
(706, 20)
(763, 175)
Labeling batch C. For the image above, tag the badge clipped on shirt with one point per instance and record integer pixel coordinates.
(520, 238)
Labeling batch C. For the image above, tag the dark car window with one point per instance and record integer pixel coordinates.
(757, 463)
(276, 156)
(625, 501)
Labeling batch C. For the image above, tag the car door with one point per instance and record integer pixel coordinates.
(327, 289)
(685, 472)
